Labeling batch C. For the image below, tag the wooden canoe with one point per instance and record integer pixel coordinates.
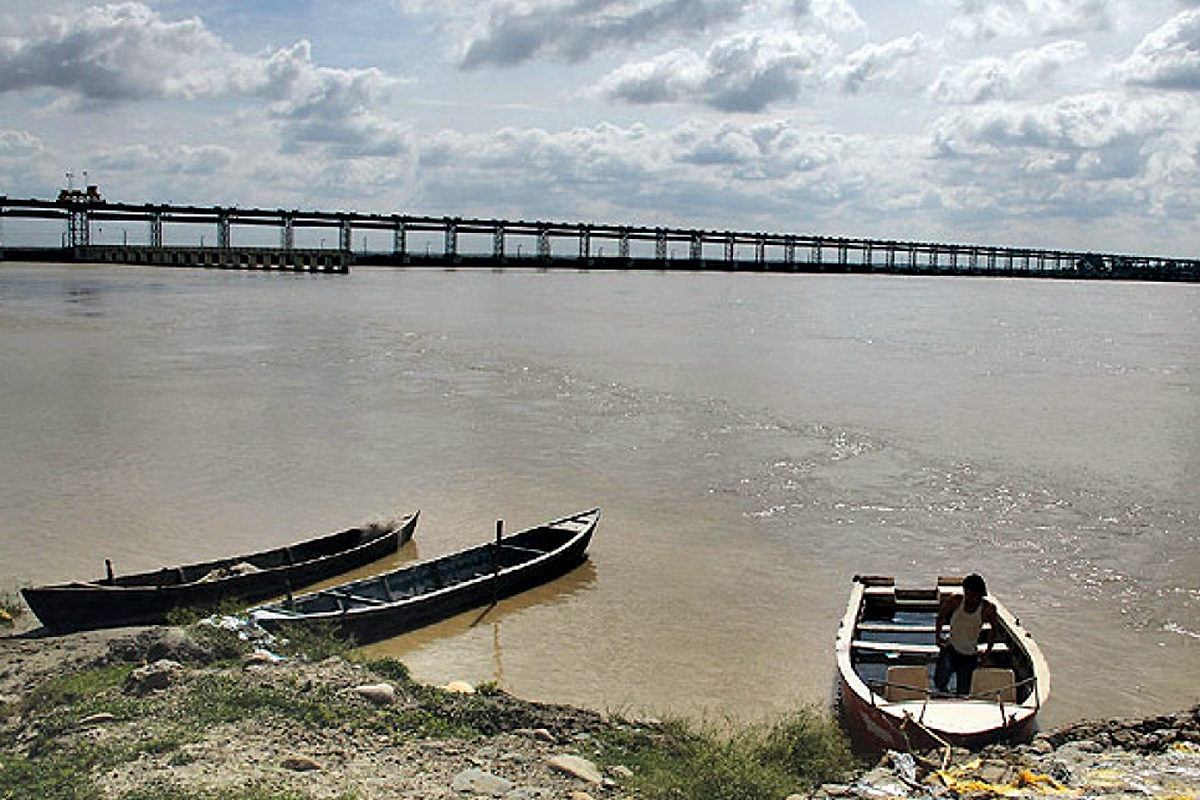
(885, 657)
(147, 598)
(389, 604)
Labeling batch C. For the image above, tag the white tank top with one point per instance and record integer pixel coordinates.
(965, 627)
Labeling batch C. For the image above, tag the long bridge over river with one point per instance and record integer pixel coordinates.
(253, 238)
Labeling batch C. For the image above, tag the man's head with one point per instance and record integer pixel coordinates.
(973, 584)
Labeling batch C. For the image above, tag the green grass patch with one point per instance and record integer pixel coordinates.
(217, 698)
(684, 760)
(315, 641)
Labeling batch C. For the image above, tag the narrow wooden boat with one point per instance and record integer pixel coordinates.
(146, 598)
(886, 652)
(419, 594)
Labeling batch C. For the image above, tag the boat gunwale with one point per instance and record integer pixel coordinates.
(401, 523)
(278, 612)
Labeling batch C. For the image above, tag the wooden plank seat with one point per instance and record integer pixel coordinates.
(909, 649)
(892, 627)
(353, 598)
(519, 549)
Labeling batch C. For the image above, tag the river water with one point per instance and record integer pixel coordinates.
(754, 441)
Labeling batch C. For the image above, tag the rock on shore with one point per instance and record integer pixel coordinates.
(1156, 756)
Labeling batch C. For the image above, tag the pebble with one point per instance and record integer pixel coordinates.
(300, 764)
(96, 719)
(381, 694)
(478, 781)
(153, 677)
(578, 767)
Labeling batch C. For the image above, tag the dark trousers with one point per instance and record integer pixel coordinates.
(951, 661)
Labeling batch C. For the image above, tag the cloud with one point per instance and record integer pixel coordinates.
(1096, 136)
(744, 72)
(19, 144)
(986, 19)
(1169, 57)
(128, 52)
(874, 62)
(574, 30)
(168, 159)
(691, 173)
(118, 53)
(986, 79)
(509, 33)
(749, 72)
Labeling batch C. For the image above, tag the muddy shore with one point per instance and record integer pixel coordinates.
(527, 750)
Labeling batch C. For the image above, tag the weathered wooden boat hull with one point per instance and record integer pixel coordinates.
(872, 730)
(148, 598)
(886, 628)
(374, 608)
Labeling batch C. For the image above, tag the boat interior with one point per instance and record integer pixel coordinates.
(893, 649)
(439, 573)
(276, 558)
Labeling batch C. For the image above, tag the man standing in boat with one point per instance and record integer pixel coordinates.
(959, 653)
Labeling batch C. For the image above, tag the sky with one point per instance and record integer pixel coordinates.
(1062, 124)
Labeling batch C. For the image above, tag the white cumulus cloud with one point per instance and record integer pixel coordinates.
(1169, 57)
(986, 79)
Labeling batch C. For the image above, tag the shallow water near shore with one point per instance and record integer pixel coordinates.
(754, 442)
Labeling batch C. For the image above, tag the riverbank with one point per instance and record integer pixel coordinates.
(188, 713)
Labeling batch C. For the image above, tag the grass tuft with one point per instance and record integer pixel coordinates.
(315, 641)
(682, 760)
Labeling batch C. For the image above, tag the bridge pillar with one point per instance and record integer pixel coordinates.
(660, 244)
(789, 250)
(450, 249)
(287, 235)
(156, 229)
(543, 244)
(399, 237)
(815, 255)
(585, 242)
(696, 247)
(223, 239)
(345, 235)
(498, 243)
(728, 247)
(79, 226)
(623, 244)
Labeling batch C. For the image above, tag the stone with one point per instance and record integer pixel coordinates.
(152, 677)
(300, 764)
(578, 767)
(381, 694)
(459, 687)
(621, 771)
(261, 658)
(477, 781)
(96, 719)
(1041, 747)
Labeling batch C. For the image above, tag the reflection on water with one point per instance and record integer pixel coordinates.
(754, 442)
(429, 643)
